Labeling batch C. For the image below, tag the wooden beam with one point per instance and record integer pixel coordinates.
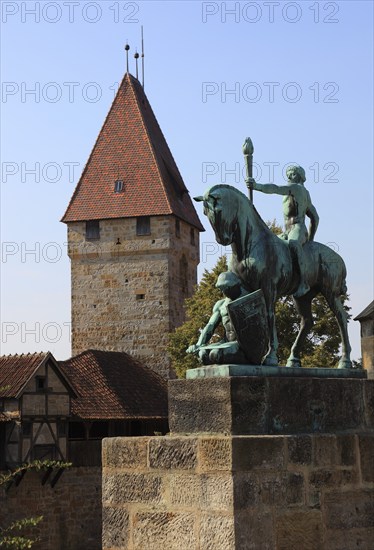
(19, 477)
(57, 477)
(46, 475)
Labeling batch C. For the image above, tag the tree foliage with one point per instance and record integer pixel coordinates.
(321, 348)
(322, 345)
(10, 537)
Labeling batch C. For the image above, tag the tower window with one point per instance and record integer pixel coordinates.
(92, 230)
(177, 228)
(119, 186)
(192, 236)
(143, 225)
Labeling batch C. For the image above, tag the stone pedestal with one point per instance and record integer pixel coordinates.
(254, 464)
(270, 405)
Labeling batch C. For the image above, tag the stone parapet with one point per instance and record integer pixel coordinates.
(270, 405)
(224, 492)
(252, 463)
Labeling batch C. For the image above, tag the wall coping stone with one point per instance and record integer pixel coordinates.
(262, 370)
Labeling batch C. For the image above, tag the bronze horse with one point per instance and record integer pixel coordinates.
(263, 261)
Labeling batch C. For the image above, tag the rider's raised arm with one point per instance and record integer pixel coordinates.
(314, 220)
(271, 188)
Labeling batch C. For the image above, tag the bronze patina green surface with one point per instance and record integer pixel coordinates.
(219, 371)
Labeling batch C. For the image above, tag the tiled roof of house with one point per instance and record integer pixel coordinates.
(16, 370)
(113, 385)
(131, 147)
(366, 313)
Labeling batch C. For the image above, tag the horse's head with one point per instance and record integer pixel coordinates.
(221, 209)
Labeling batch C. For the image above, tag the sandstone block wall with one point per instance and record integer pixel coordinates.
(71, 510)
(221, 492)
(129, 296)
(271, 405)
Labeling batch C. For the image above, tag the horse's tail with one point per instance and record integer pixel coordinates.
(343, 286)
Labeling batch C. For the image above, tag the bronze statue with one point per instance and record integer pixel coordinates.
(263, 261)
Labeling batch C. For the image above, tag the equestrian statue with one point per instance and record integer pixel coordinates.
(289, 264)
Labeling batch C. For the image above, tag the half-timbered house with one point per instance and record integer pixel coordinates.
(62, 410)
(35, 405)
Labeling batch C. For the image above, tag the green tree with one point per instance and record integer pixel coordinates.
(322, 345)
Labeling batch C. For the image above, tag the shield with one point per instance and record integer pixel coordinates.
(249, 318)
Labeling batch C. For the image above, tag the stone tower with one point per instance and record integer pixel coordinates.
(133, 237)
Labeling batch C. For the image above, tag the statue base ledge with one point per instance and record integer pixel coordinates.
(289, 401)
(222, 371)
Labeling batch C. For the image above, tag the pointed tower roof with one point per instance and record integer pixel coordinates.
(131, 147)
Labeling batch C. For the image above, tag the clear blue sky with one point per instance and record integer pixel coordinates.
(301, 82)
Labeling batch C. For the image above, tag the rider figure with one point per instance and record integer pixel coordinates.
(296, 205)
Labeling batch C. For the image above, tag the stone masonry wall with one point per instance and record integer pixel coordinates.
(129, 296)
(183, 261)
(220, 492)
(71, 510)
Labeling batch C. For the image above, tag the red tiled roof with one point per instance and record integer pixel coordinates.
(16, 370)
(131, 147)
(113, 385)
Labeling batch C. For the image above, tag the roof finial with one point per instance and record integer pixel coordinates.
(136, 55)
(142, 58)
(127, 47)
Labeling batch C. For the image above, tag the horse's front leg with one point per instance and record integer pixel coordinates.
(271, 358)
